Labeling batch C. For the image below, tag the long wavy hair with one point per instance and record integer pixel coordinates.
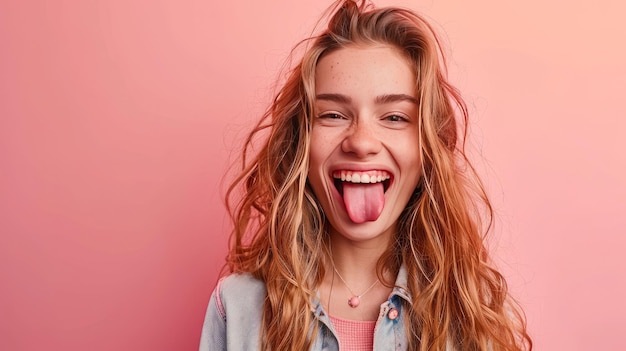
(459, 298)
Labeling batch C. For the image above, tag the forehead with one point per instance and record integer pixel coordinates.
(377, 69)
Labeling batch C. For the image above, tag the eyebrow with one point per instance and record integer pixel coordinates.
(334, 97)
(385, 99)
(382, 99)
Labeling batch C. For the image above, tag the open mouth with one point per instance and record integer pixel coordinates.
(354, 177)
(363, 193)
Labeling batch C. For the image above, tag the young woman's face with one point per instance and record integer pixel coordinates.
(364, 161)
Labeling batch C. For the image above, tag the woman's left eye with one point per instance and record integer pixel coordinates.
(396, 118)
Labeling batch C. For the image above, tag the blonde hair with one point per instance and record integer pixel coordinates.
(280, 229)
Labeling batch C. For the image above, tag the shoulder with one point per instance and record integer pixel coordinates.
(240, 284)
(237, 293)
(237, 301)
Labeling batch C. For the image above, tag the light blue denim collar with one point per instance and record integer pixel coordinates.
(400, 290)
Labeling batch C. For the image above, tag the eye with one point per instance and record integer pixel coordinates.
(396, 118)
(331, 116)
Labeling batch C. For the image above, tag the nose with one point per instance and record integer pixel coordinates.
(361, 140)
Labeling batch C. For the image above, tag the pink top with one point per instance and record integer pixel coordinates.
(354, 335)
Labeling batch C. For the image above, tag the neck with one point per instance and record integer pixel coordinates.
(357, 295)
(356, 261)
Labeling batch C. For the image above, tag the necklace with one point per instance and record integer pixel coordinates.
(355, 300)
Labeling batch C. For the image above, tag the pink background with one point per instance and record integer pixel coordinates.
(118, 119)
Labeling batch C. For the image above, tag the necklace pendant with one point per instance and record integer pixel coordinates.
(354, 301)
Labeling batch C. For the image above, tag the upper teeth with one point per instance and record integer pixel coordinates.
(361, 177)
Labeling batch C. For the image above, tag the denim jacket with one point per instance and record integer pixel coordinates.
(233, 318)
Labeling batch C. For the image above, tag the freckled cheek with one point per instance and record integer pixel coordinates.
(323, 144)
(404, 149)
(401, 142)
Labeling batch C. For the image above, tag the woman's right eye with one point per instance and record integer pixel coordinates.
(331, 116)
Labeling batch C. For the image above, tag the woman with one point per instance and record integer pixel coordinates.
(359, 224)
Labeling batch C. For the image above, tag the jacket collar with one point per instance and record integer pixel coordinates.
(401, 287)
(400, 290)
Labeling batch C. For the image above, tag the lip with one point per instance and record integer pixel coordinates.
(360, 168)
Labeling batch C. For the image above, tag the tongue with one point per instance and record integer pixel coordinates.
(364, 202)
